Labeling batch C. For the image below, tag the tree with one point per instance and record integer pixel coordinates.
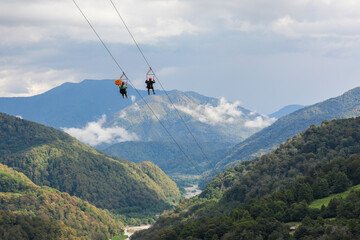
(341, 182)
(305, 193)
(320, 188)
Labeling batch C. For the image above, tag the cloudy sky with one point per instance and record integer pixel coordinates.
(265, 54)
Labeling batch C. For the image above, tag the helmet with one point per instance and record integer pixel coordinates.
(149, 78)
(122, 82)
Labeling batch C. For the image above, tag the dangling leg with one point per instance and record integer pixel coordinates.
(153, 90)
(148, 91)
(126, 95)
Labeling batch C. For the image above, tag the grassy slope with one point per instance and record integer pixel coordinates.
(325, 201)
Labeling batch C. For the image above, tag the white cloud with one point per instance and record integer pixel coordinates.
(17, 83)
(344, 27)
(134, 107)
(260, 122)
(25, 22)
(224, 112)
(151, 21)
(122, 114)
(94, 133)
(300, 18)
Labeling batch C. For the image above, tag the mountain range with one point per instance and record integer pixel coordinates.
(255, 197)
(94, 112)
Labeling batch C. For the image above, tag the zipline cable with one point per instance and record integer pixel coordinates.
(112, 56)
(147, 62)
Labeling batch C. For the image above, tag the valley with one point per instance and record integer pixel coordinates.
(192, 191)
(179, 120)
(148, 188)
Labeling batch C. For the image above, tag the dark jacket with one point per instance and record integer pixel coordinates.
(149, 83)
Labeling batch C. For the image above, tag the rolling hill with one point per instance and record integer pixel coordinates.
(29, 211)
(50, 157)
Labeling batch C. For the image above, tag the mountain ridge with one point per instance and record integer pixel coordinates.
(286, 110)
(344, 106)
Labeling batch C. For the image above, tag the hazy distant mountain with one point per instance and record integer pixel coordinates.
(70, 104)
(94, 112)
(209, 119)
(344, 106)
(286, 110)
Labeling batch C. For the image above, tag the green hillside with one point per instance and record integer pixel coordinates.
(28, 211)
(255, 199)
(52, 158)
(344, 106)
(254, 179)
(272, 216)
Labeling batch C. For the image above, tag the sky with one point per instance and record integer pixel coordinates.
(264, 54)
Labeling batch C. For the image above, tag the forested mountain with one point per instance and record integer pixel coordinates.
(28, 211)
(344, 106)
(276, 189)
(50, 157)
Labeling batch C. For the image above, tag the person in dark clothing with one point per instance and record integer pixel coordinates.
(149, 85)
(123, 90)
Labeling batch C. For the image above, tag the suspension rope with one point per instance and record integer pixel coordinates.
(172, 103)
(112, 56)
